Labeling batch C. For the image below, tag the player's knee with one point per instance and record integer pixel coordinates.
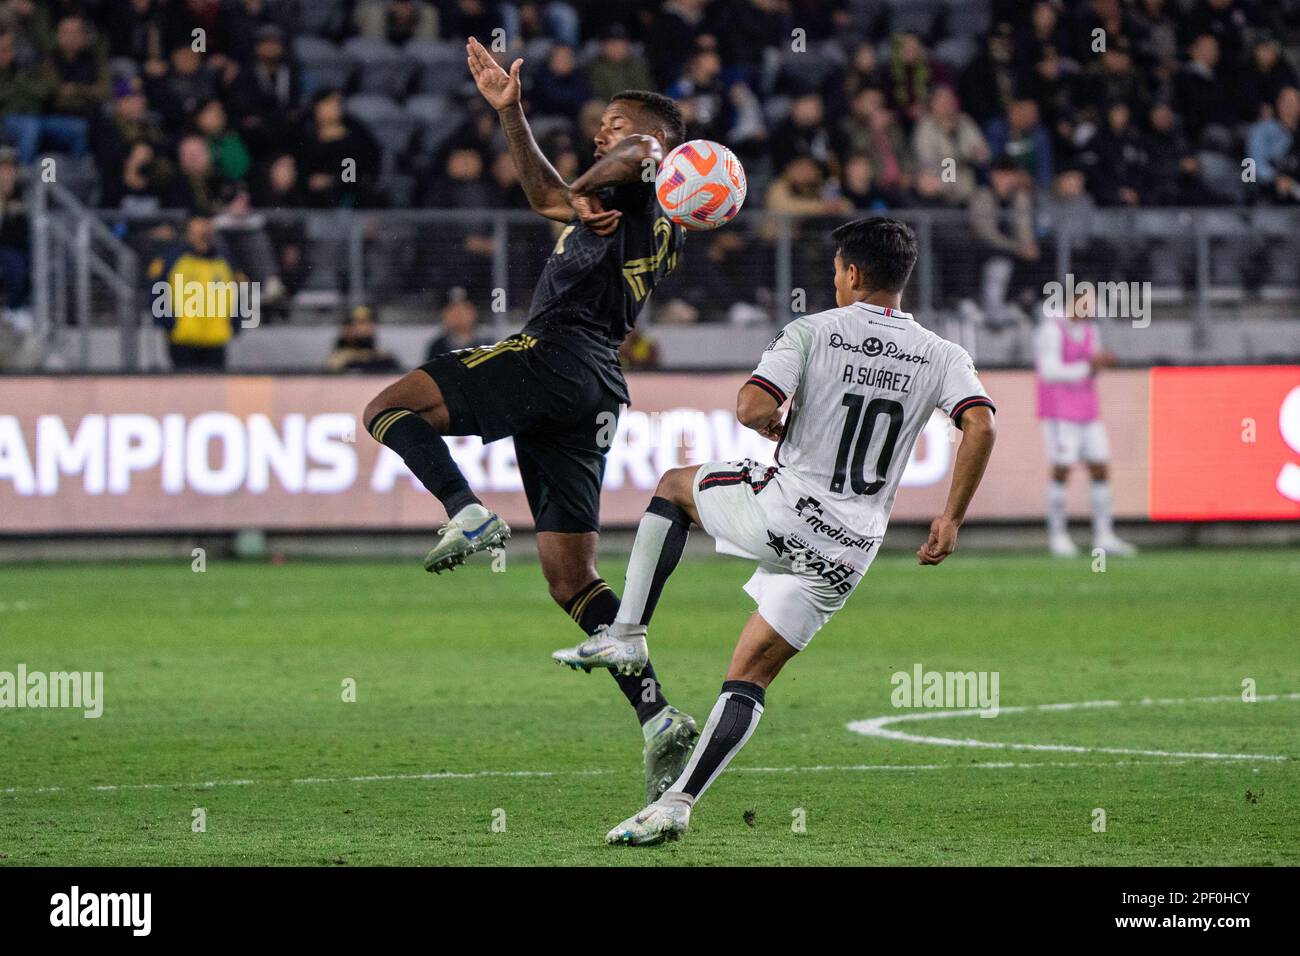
(1098, 471)
(1060, 472)
(675, 484)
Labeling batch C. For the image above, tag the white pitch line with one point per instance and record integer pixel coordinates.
(479, 774)
(878, 727)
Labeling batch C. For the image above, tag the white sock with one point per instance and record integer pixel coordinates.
(660, 538)
(1102, 524)
(1056, 517)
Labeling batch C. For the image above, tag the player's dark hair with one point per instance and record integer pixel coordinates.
(661, 108)
(884, 250)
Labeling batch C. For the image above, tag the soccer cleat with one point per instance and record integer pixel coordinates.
(670, 737)
(473, 529)
(620, 647)
(1115, 546)
(1062, 547)
(655, 824)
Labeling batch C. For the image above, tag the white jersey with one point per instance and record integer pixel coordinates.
(863, 380)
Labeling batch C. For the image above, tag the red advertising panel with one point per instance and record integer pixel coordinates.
(1225, 443)
(194, 453)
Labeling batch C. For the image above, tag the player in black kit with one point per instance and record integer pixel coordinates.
(556, 386)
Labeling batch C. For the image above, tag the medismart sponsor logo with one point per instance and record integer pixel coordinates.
(74, 908)
(72, 690)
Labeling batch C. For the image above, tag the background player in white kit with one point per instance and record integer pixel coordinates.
(1068, 355)
(862, 379)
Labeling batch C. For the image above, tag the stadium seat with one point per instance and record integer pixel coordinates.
(441, 65)
(970, 18)
(325, 65)
(391, 125)
(384, 68)
(326, 18)
(914, 16)
(430, 108)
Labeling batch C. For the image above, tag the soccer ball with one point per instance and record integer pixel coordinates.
(701, 185)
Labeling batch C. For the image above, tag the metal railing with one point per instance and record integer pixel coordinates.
(760, 269)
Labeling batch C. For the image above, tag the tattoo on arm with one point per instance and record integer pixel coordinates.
(545, 189)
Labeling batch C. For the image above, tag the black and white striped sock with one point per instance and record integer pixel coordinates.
(730, 725)
(660, 538)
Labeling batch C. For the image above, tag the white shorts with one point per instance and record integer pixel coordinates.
(1067, 441)
(796, 588)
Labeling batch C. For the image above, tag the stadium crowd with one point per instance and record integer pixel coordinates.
(991, 106)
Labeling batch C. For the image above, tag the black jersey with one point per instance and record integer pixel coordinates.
(593, 287)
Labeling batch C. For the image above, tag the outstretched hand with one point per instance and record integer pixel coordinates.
(499, 88)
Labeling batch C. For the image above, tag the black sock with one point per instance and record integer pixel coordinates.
(733, 719)
(597, 604)
(426, 454)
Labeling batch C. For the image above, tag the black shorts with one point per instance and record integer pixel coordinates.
(560, 413)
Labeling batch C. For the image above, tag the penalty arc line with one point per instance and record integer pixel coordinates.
(879, 727)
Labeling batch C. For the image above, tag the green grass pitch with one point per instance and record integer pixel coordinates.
(224, 691)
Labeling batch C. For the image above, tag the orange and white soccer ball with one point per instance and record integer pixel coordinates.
(701, 185)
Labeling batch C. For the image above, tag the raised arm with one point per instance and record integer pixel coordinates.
(978, 434)
(547, 193)
(624, 163)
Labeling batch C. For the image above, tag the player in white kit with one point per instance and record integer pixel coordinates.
(862, 381)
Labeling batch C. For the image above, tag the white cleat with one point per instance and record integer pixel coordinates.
(1115, 546)
(657, 823)
(620, 647)
(473, 529)
(1062, 547)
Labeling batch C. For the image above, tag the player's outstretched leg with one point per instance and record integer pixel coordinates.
(660, 540)
(410, 417)
(668, 733)
(759, 657)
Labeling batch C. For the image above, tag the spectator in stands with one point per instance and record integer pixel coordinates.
(860, 188)
(144, 30)
(638, 352)
(15, 257)
(561, 88)
(1113, 78)
(276, 186)
(198, 326)
(128, 123)
(230, 158)
(948, 142)
(871, 128)
(803, 133)
(1274, 144)
(988, 83)
(188, 82)
(617, 66)
(81, 71)
(1155, 40)
(1002, 218)
(470, 18)
(197, 188)
(339, 160)
(671, 39)
(356, 350)
(701, 95)
(554, 19)
(911, 77)
(138, 184)
(1117, 160)
(459, 326)
(1022, 138)
(1174, 171)
(461, 184)
(1224, 20)
(1204, 93)
(802, 190)
(863, 73)
(242, 23)
(23, 95)
(264, 97)
(1263, 79)
(509, 192)
(31, 24)
(396, 21)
